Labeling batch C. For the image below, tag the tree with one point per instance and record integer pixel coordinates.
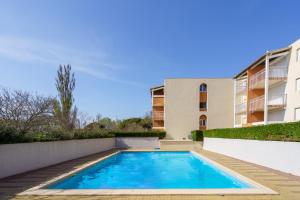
(25, 111)
(65, 85)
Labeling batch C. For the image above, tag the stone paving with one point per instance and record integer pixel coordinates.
(287, 185)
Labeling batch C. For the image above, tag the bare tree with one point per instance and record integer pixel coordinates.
(83, 119)
(25, 111)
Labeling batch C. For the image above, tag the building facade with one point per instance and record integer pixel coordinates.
(267, 91)
(183, 105)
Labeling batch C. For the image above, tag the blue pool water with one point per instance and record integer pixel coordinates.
(151, 170)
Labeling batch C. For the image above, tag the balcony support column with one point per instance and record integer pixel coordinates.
(266, 89)
(234, 101)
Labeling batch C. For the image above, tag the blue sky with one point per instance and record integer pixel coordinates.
(120, 48)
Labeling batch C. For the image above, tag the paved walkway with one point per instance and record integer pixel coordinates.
(288, 186)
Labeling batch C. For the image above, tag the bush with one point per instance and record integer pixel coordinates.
(159, 134)
(277, 132)
(197, 135)
(9, 135)
(89, 134)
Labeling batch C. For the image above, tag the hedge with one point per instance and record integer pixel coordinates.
(197, 135)
(276, 132)
(159, 134)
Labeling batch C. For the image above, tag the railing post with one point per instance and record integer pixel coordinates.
(266, 88)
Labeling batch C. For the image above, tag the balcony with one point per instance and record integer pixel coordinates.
(158, 115)
(276, 75)
(158, 101)
(240, 108)
(276, 102)
(241, 86)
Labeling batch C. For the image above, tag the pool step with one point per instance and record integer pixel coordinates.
(180, 145)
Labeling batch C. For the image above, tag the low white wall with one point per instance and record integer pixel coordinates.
(137, 142)
(282, 156)
(18, 158)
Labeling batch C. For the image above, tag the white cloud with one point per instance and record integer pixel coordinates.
(93, 63)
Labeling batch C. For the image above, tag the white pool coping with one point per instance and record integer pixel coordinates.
(257, 189)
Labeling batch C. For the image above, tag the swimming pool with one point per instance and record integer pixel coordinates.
(152, 170)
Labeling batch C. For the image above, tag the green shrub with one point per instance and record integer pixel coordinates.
(9, 135)
(159, 134)
(277, 132)
(89, 134)
(197, 135)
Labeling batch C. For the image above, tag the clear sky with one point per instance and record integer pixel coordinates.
(120, 48)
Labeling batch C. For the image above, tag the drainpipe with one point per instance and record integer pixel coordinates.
(266, 88)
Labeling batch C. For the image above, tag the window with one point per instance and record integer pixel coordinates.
(203, 106)
(298, 55)
(202, 122)
(297, 114)
(298, 84)
(203, 87)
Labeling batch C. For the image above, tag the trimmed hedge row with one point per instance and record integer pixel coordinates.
(159, 134)
(276, 132)
(197, 135)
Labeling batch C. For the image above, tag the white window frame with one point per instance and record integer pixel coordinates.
(295, 117)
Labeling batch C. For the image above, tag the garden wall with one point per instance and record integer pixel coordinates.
(23, 157)
(279, 155)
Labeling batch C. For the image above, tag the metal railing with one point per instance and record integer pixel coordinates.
(158, 115)
(274, 74)
(277, 101)
(274, 102)
(241, 108)
(241, 86)
(257, 104)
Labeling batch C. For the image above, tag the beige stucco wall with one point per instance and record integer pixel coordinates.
(182, 105)
(293, 96)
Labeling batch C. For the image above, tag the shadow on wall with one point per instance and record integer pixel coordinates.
(138, 142)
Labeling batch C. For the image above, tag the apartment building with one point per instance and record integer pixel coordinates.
(182, 105)
(267, 91)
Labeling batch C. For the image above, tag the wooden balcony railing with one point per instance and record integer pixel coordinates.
(158, 115)
(158, 101)
(275, 74)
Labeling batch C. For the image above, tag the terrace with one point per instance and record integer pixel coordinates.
(288, 185)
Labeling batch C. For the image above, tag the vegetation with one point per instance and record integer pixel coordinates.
(24, 111)
(25, 117)
(277, 132)
(9, 135)
(197, 135)
(65, 85)
(159, 134)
